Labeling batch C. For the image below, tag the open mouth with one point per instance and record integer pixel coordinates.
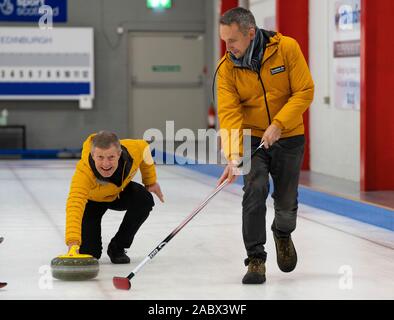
(106, 170)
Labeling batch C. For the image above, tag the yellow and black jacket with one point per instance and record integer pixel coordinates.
(279, 93)
(86, 186)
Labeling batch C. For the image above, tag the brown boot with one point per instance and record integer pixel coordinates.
(286, 255)
(256, 271)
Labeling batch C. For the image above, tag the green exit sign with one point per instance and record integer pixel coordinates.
(166, 68)
(159, 4)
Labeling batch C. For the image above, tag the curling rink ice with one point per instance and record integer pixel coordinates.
(338, 258)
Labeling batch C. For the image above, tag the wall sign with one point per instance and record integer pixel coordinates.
(55, 64)
(345, 32)
(29, 10)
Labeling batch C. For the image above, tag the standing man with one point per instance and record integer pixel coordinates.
(102, 181)
(264, 85)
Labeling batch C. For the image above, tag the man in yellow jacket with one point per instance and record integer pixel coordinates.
(264, 85)
(102, 181)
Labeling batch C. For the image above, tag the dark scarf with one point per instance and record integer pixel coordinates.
(253, 55)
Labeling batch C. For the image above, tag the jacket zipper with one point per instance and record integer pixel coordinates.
(262, 84)
(265, 98)
(124, 167)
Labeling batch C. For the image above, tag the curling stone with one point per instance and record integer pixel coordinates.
(74, 266)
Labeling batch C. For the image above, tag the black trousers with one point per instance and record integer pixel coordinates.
(283, 162)
(137, 202)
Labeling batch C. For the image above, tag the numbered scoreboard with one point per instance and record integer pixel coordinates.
(53, 64)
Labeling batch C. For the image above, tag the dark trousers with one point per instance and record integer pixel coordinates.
(283, 162)
(137, 202)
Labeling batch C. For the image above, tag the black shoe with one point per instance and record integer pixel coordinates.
(256, 271)
(117, 255)
(286, 254)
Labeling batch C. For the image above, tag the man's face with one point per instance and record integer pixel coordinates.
(236, 41)
(106, 160)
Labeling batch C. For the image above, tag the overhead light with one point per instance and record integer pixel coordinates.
(158, 4)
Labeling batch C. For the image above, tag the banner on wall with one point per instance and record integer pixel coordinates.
(29, 10)
(345, 31)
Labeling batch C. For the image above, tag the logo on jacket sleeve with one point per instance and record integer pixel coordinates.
(277, 70)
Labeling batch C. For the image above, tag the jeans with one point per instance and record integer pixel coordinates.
(283, 162)
(135, 199)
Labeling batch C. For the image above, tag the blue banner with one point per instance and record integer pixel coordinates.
(44, 88)
(29, 10)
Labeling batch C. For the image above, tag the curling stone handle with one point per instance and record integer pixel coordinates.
(73, 250)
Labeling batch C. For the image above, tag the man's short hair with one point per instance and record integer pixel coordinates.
(105, 140)
(241, 16)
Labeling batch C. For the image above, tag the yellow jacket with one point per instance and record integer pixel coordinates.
(287, 87)
(84, 184)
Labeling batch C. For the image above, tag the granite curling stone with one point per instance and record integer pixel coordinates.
(74, 266)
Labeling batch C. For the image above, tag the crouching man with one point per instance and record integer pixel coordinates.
(102, 181)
